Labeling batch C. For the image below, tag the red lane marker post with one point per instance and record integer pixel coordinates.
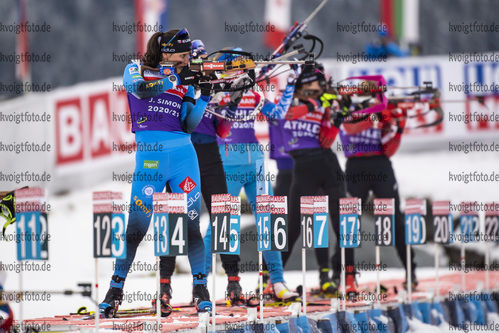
(384, 223)
(102, 216)
(415, 233)
(264, 237)
(306, 217)
(443, 226)
(349, 237)
(33, 228)
(220, 237)
(470, 227)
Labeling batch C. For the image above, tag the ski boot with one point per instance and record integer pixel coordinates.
(234, 293)
(165, 294)
(200, 294)
(328, 286)
(282, 293)
(113, 298)
(351, 286)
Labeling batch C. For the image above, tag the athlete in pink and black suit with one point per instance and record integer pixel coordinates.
(309, 130)
(282, 187)
(371, 140)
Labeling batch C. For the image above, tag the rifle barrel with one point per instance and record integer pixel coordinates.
(281, 62)
(311, 16)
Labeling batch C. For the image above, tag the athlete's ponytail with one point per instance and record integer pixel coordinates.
(153, 52)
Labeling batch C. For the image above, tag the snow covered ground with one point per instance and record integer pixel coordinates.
(423, 175)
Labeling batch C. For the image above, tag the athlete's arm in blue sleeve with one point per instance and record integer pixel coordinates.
(278, 111)
(192, 110)
(136, 85)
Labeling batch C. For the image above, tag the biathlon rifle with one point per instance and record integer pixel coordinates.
(222, 73)
(407, 102)
(238, 64)
(378, 90)
(414, 98)
(297, 31)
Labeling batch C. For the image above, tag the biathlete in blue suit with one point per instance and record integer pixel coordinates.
(204, 139)
(164, 113)
(240, 151)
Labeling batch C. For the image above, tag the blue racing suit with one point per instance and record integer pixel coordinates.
(240, 152)
(163, 116)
